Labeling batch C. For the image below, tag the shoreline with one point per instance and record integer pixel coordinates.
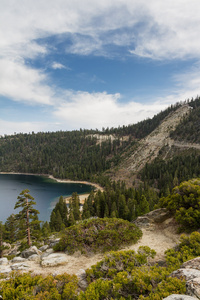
(81, 196)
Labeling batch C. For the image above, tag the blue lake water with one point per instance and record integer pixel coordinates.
(46, 192)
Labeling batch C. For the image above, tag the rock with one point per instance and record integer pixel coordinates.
(34, 257)
(82, 282)
(142, 221)
(192, 264)
(28, 252)
(54, 259)
(47, 252)
(158, 215)
(20, 266)
(5, 270)
(18, 259)
(187, 274)
(193, 287)
(179, 297)
(54, 242)
(3, 261)
(44, 248)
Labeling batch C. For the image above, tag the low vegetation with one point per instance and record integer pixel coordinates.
(98, 235)
(184, 204)
(26, 286)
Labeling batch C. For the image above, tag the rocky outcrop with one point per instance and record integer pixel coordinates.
(82, 282)
(190, 271)
(179, 297)
(155, 216)
(28, 252)
(54, 259)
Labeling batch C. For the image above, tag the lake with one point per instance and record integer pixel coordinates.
(46, 192)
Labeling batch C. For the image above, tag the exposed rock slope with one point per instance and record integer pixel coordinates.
(148, 148)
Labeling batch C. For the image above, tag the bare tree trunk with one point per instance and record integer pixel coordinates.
(27, 225)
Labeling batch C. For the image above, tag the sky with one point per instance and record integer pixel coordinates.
(66, 65)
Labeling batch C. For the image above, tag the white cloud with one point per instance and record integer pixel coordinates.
(156, 29)
(9, 127)
(21, 83)
(58, 66)
(84, 110)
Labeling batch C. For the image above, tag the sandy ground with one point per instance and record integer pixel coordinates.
(160, 238)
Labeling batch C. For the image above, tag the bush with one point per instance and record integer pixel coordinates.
(25, 286)
(98, 235)
(188, 248)
(184, 203)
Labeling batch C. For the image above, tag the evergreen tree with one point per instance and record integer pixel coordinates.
(75, 206)
(71, 218)
(28, 213)
(85, 212)
(11, 229)
(59, 215)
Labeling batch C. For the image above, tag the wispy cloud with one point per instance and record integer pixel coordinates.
(58, 66)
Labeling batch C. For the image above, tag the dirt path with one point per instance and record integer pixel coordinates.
(160, 238)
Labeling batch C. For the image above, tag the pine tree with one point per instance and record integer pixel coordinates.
(71, 218)
(28, 213)
(75, 206)
(10, 229)
(86, 212)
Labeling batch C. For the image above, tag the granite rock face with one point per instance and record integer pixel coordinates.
(28, 252)
(54, 259)
(179, 297)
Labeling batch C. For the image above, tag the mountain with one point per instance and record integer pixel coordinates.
(156, 151)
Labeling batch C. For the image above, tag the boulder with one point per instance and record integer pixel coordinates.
(82, 282)
(44, 248)
(54, 259)
(18, 259)
(187, 274)
(179, 297)
(34, 257)
(192, 264)
(193, 287)
(47, 252)
(28, 252)
(20, 266)
(158, 215)
(143, 221)
(3, 261)
(5, 270)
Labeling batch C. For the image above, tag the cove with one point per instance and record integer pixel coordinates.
(46, 192)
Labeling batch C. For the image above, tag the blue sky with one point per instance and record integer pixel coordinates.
(68, 65)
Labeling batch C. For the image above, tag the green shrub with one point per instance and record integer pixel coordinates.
(184, 203)
(98, 235)
(188, 248)
(25, 286)
(115, 262)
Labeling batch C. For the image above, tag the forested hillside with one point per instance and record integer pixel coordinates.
(74, 155)
(189, 128)
(144, 151)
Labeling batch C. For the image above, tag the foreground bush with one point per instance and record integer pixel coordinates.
(127, 275)
(184, 203)
(26, 286)
(98, 235)
(188, 248)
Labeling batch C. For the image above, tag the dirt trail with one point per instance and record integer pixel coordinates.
(158, 237)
